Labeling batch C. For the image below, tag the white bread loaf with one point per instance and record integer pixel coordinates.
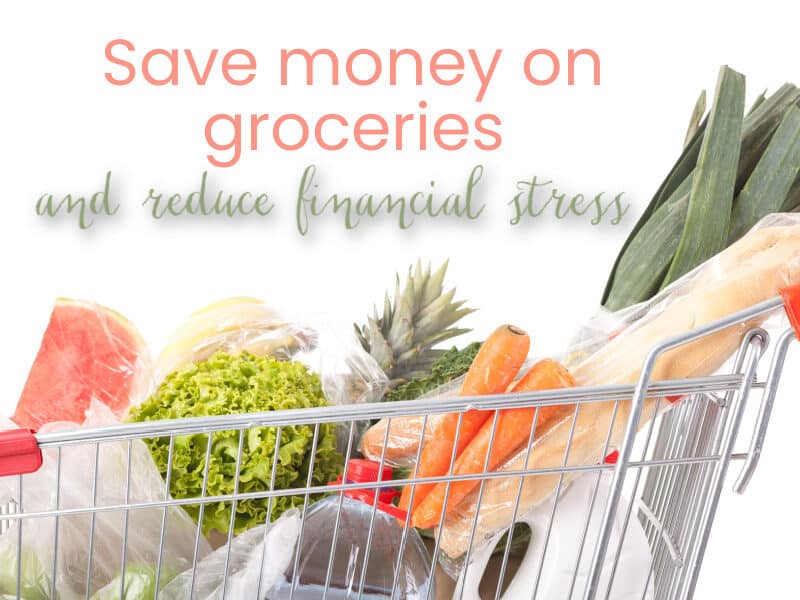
(402, 442)
(753, 270)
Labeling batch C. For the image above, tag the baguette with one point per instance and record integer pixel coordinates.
(753, 270)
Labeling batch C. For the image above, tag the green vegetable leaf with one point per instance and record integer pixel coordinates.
(680, 175)
(759, 126)
(695, 119)
(792, 201)
(642, 269)
(757, 102)
(705, 232)
(450, 365)
(226, 384)
(768, 187)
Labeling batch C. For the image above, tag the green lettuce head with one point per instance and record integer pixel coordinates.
(226, 384)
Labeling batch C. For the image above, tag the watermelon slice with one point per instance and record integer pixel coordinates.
(88, 351)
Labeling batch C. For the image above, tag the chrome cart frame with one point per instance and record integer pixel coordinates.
(674, 484)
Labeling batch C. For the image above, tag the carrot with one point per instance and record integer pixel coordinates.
(512, 430)
(493, 369)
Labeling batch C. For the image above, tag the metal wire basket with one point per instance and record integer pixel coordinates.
(673, 471)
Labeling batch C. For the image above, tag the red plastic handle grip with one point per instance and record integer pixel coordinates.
(791, 302)
(19, 452)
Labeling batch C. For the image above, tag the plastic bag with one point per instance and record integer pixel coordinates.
(92, 536)
(404, 437)
(87, 352)
(561, 561)
(349, 374)
(753, 270)
(263, 550)
(335, 547)
(140, 582)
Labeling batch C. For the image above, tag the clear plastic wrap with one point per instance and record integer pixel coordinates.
(753, 270)
(404, 436)
(67, 479)
(264, 550)
(349, 375)
(87, 352)
(349, 544)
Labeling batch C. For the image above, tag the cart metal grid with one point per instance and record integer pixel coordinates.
(674, 482)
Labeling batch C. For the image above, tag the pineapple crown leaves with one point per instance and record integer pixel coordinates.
(419, 316)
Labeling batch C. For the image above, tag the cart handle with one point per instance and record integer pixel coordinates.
(791, 302)
(765, 410)
(19, 452)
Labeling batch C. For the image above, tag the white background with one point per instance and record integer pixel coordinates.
(62, 126)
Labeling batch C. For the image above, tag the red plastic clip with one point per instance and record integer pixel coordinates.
(791, 302)
(19, 452)
(360, 470)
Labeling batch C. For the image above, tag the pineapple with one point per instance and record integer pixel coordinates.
(420, 316)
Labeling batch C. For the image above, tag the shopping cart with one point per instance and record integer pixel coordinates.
(673, 471)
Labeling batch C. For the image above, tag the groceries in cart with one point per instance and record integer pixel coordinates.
(230, 466)
(64, 555)
(236, 356)
(564, 435)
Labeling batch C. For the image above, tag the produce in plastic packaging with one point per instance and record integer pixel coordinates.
(140, 584)
(226, 384)
(241, 356)
(263, 550)
(348, 373)
(67, 479)
(34, 581)
(504, 435)
(753, 270)
(239, 324)
(88, 352)
(496, 365)
(403, 436)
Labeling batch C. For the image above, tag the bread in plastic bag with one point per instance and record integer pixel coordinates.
(403, 437)
(752, 270)
(263, 551)
(76, 478)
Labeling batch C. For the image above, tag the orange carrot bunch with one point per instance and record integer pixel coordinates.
(512, 430)
(484, 443)
(497, 363)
